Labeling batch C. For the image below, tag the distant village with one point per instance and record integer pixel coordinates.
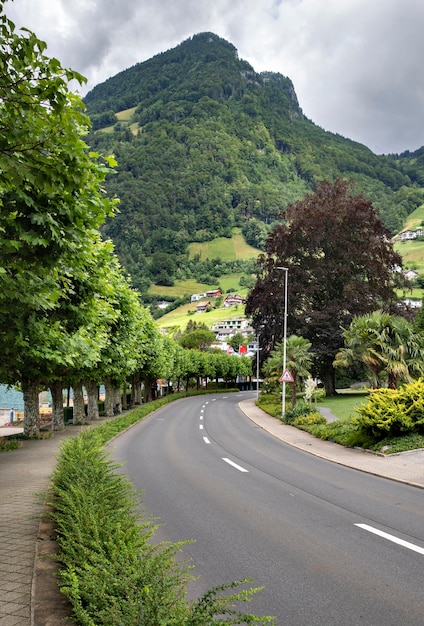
(225, 329)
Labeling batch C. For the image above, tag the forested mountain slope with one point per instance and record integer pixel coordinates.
(212, 144)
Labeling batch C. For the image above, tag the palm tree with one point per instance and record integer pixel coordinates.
(298, 361)
(387, 345)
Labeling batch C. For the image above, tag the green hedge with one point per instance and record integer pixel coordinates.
(109, 569)
(393, 412)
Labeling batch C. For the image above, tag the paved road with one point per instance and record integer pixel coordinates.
(303, 527)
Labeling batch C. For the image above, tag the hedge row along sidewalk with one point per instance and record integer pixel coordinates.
(109, 569)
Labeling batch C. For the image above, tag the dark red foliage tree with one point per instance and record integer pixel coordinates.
(341, 263)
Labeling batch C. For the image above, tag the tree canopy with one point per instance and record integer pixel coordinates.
(387, 345)
(341, 263)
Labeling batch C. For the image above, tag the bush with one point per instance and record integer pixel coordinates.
(308, 420)
(110, 571)
(393, 412)
(270, 402)
(300, 409)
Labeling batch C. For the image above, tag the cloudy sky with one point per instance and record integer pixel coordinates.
(356, 65)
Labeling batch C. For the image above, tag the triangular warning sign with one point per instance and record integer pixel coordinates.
(286, 377)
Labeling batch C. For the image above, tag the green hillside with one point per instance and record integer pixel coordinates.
(415, 219)
(205, 144)
(179, 318)
(224, 248)
(412, 252)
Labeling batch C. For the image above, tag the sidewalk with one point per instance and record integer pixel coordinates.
(24, 475)
(407, 467)
(28, 593)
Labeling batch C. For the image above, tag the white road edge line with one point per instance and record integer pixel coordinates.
(206, 440)
(240, 469)
(401, 542)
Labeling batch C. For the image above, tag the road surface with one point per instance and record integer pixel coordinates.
(331, 545)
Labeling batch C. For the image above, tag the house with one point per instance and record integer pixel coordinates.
(197, 296)
(224, 334)
(406, 235)
(214, 293)
(236, 324)
(233, 299)
(410, 274)
(202, 306)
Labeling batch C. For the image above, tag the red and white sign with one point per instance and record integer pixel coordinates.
(242, 349)
(286, 377)
(230, 350)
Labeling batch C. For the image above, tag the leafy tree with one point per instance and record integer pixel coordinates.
(199, 339)
(52, 202)
(236, 341)
(298, 361)
(419, 318)
(341, 263)
(193, 325)
(387, 345)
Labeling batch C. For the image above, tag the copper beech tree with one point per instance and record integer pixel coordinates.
(341, 263)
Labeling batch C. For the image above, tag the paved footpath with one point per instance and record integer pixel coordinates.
(28, 594)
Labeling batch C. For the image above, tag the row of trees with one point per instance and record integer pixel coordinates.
(68, 314)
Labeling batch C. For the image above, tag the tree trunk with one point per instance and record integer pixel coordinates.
(117, 404)
(293, 393)
(78, 413)
(328, 378)
(147, 390)
(92, 395)
(109, 397)
(135, 390)
(58, 419)
(392, 380)
(30, 392)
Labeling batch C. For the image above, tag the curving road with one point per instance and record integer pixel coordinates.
(331, 545)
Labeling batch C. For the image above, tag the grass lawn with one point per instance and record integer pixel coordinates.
(190, 286)
(126, 115)
(224, 248)
(412, 253)
(180, 288)
(415, 218)
(343, 405)
(181, 316)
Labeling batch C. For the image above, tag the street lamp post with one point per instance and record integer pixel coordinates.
(257, 365)
(286, 280)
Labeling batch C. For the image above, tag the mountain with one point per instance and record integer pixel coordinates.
(205, 144)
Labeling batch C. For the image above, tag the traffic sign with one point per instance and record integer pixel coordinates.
(286, 377)
(230, 350)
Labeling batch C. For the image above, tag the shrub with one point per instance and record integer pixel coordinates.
(308, 420)
(300, 409)
(393, 412)
(9, 443)
(110, 571)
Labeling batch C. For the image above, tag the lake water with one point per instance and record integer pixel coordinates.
(11, 399)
